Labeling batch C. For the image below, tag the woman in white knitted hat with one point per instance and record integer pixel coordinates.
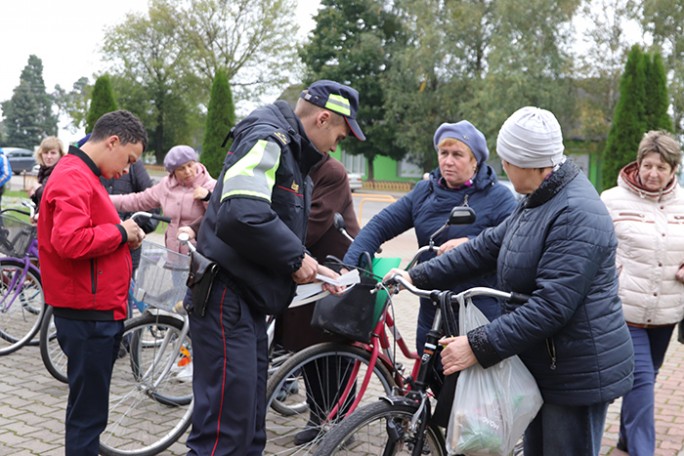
(647, 208)
(558, 247)
(183, 195)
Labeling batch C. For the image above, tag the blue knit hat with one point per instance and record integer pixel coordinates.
(178, 156)
(465, 132)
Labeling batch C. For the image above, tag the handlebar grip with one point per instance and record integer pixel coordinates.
(161, 218)
(519, 297)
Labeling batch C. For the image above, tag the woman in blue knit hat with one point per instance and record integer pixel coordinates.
(462, 178)
(182, 195)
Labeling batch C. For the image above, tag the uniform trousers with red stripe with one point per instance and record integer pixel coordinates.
(230, 366)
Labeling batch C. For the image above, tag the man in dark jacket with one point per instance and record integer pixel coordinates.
(255, 229)
(558, 247)
(86, 268)
(136, 180)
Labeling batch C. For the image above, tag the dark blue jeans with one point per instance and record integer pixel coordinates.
(92, 347)
(637, 420)
(564, 430)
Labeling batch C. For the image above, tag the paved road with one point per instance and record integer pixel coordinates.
(32, 403)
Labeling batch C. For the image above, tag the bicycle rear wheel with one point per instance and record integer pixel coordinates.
(21, 305)
(51, 353)
(150, 405)
(380, 428)
(304, 391)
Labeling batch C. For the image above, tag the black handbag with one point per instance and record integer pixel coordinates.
(680, 336)
(201, 277)
(349, 315)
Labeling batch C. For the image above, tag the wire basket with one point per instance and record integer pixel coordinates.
(15, 235)
(161, 276)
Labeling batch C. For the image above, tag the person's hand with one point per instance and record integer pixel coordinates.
(134, 232)
(32, 190)
(200, 193)
(451, 244)
(680, 274)
(326, 271)
(397, 271)
(307, 271)
(456, 354)
(190, 232)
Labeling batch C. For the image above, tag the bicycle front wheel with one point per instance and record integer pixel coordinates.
(21, 305)
(150, 399)
(51, 353)
(380, 428)
(314, 389)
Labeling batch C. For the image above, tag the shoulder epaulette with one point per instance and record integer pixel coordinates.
(282, 136)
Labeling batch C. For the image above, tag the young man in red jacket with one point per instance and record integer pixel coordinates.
(86, 268)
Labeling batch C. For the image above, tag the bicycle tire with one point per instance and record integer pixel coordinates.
(23, 304)
(54, 359)
(365, 432)
(139, 423)
(308, 369)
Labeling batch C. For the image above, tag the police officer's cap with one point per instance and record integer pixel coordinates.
(337, 98)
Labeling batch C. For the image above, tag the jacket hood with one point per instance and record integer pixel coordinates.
(629, 179)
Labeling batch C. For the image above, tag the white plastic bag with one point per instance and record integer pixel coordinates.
(492, 407)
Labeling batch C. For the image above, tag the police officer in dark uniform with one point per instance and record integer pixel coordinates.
(255, 229)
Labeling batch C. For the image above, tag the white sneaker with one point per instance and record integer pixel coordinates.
(184, 374)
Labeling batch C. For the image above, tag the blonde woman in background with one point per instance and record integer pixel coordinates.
(47, 155)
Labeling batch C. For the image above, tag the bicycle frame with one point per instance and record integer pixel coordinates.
(17, 280)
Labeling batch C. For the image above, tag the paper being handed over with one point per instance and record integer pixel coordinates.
(314, 291)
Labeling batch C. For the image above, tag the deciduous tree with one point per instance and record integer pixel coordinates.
(353, 43)
(74, 103)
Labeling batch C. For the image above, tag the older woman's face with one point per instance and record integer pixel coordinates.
(456, 163)
(51, 157)
(654, 172)
(186, 172)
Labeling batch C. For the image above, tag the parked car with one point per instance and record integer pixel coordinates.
(355, 180)
(20, 159)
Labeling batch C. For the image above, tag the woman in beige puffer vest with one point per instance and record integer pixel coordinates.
(647, 208)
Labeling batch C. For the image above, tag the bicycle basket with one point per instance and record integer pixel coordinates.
(161, 276)
(15, 235)
(355, 313)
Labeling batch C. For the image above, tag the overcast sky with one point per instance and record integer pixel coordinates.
(66, 34)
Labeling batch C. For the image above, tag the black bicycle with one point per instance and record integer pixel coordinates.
(402, 423)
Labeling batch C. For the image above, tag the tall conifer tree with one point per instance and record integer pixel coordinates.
(643, 106)
(629, 120)
(102, 102)
(220, 119)
(28, 114)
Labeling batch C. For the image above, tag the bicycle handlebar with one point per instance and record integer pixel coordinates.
(184, 239)
(470, 292)
(161, 218)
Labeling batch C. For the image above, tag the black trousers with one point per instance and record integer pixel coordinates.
(92, 347)
(230, 359)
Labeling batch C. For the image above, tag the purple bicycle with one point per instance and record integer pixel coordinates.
(22, 304)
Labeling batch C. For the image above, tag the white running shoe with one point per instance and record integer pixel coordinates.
(184, 373)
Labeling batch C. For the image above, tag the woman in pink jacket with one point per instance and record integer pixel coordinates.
(182, 195)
